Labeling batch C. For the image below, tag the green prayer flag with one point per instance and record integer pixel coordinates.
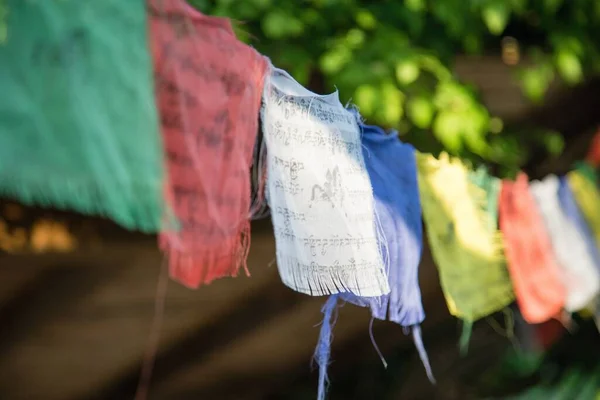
(78, 124)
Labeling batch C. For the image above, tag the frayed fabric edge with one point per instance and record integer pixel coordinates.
(311, 280)
(136, 210)
(323, 350)
(194, 269)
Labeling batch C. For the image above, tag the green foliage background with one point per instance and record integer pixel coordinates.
(394, 60)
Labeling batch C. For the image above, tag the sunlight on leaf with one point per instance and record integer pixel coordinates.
(435, 67)
(365, 98)
(495, 16)
(355, 38)
(278, 25)
(447, 128)
(420, 110)
(415, 5)
(453, 96)
(393, 102)
(407, 72)
(569, 67)
(365, 19)
(536, 80)
(335, 60)
(474, 128)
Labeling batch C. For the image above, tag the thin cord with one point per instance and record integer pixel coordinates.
(154, 338)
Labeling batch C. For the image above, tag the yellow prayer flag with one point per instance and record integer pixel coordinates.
(587, 197)
(466, 247)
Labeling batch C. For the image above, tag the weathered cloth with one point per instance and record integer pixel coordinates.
(319, 193)
(78, 124)
(208, 90)
(533, 268)
(465, 245)
(579, 271)
(393, 172)
(392, 169)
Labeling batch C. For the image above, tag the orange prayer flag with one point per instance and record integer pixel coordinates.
(533, 269)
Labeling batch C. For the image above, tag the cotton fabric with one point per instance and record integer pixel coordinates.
(464, 244)
(319, 193)
(579, 271)
(208, 91)
(79, 129)
(532, 264)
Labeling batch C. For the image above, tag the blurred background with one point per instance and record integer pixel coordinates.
(512, 84)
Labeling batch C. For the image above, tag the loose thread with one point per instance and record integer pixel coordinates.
(323, 350)
(375, 344)
(154, 337)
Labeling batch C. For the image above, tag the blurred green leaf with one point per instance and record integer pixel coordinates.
(496, 125)
(365, 98)
(447, 128)
(278, 25)
(355, 38)
(420, 110)
(393, 104)
(495, 15)
(536, 80)
(569, 67)
(415, 5)
(365, 19)
(333, 61)
(554, 143)
(407, 72)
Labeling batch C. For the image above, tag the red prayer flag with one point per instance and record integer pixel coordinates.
(593, 155)
(208, 92)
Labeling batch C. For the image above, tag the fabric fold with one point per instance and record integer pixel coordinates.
(79, 128)
(318, 189)
(464, 243)
(208, 92)
(533, 268)
(579, 270)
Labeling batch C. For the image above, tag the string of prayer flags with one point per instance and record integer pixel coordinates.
(534, 272)
(208, 92)
(319, 193)
(582, 182)
(463, 242)
(79, 127)
(580, 274)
